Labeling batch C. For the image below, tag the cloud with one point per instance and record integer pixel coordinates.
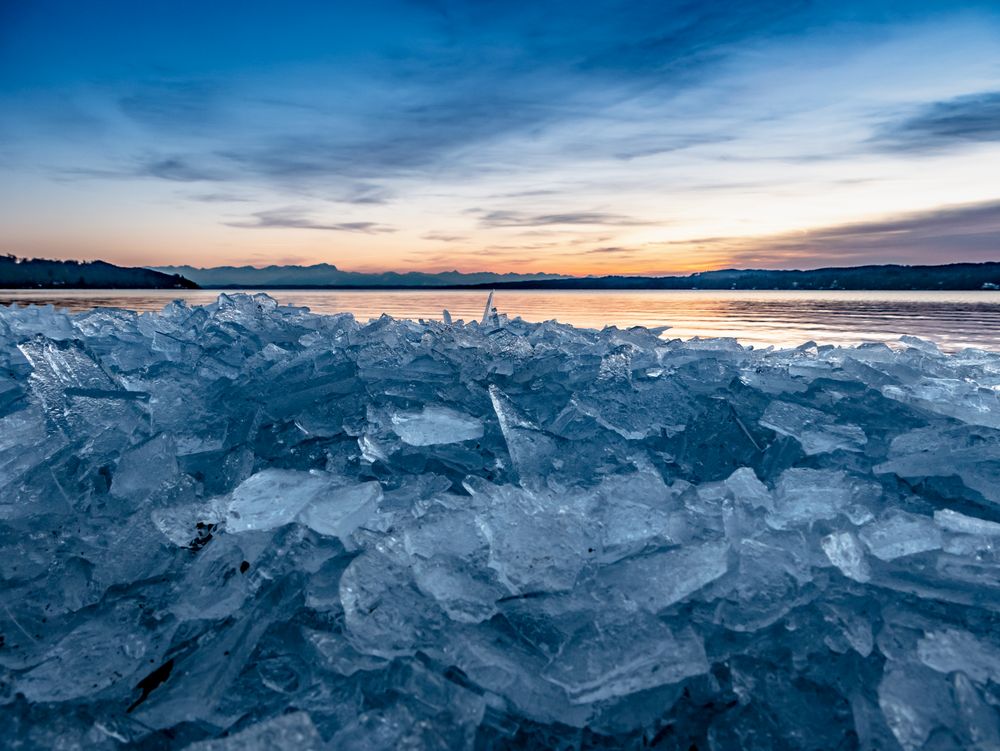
(438, 93)
(174, 168)
(613, 250)
(974, 118)
(294, 219)
(444, 237)
(362, 194)
(172, 104)
(682, 39)
(655, 145)
(969, 232)
(493, 219)
(512, 70)
(528, 193)
(218, 198)
(395, 141)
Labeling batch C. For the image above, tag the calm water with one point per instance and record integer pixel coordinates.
(953, 319)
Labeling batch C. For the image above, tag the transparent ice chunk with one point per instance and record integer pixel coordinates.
(435, 425)
(900, 534)
(320, 500)
(846, 552)
(818, 432)
(951, 650)
(803, 496)
(657, 581)
(617, 657)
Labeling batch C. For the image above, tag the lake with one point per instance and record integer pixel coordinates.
(952, 319)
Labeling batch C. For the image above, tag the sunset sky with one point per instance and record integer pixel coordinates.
(573, 137)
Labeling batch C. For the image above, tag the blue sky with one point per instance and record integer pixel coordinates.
(586, 137)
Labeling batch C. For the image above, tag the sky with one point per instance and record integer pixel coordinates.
(586, 137)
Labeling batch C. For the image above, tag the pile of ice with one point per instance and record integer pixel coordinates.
(248, 526)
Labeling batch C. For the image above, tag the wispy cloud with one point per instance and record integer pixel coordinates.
(365, 194)
(942, 125)
(172, 104)
(218, 198)
(654, 145)
(537, 76)
(173, 168)
(444, 237)
(294, 219)
(505, 218)
(612, 251)
(397, 143)
(177, 169)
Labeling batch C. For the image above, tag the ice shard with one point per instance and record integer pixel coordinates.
(435, 425)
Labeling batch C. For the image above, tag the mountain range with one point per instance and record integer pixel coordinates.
(956, 276)
(328, 275)
(952, 276)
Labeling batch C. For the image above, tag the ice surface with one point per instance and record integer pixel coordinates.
(248, 526)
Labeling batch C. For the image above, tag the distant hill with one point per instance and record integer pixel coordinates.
(954, 276)
(24, 273)
(327, 275)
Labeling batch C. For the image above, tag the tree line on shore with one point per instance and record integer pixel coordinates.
(34, 273)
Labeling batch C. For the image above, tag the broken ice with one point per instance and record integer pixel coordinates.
(248, 526)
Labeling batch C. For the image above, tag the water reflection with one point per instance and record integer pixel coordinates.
(953, 319)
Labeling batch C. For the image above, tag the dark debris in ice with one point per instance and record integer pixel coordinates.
(245, 526)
